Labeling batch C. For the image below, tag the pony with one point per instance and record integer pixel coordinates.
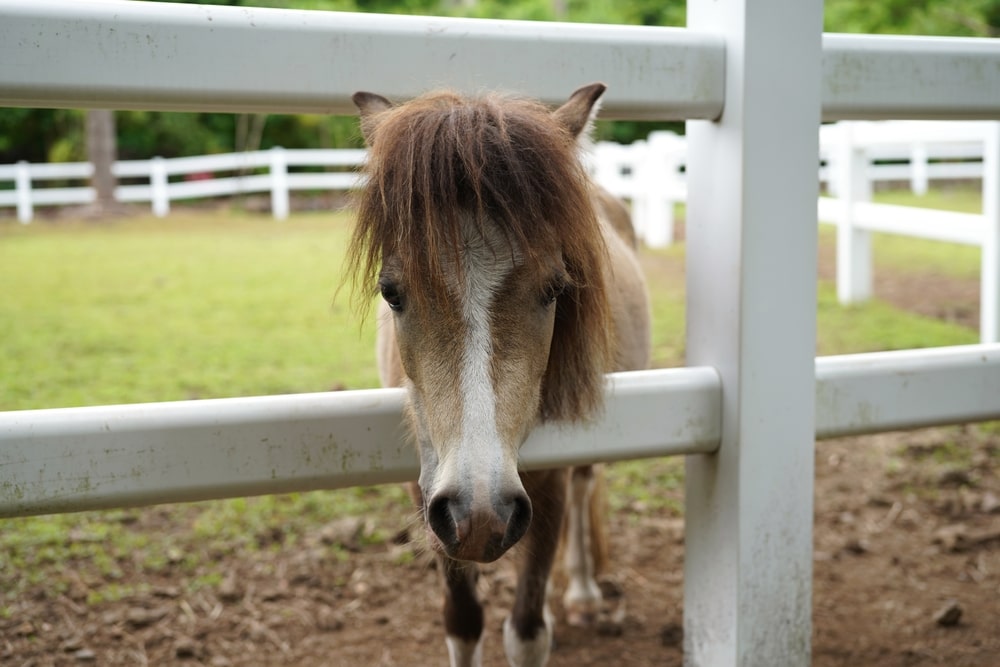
(510, 285)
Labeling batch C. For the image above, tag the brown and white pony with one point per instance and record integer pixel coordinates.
(510, 285)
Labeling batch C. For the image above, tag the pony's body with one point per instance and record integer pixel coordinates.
(510, 286)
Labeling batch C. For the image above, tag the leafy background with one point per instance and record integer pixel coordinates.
(58, 135)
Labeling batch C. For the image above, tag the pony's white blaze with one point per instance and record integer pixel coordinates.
(479, 456)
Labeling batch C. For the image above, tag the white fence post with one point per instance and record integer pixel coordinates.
(918, 168)
(751, 315)
(854, 256)
(279, 183)
(158, 187)
(639, 155)
(989, 297)
(22, 184)
(657, 186)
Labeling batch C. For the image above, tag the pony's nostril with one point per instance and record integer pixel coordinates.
(481, 534)
(518, 520)
(444, 514)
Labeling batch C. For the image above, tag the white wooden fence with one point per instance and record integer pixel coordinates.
(649, 173)
(910, 151)
(856, 156)
(754, 78)
(198, 179)
(852, 149)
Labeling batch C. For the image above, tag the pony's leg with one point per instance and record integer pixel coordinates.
(582, 600)
(527, 632)
(463, 615)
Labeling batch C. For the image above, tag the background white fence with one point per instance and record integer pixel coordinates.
(855, 156)
(750, 285)
(919, 152)
(199, 178)
(649, 173)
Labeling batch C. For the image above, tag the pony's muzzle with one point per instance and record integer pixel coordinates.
(480, 532)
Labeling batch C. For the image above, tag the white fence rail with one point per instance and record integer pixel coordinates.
(275, 444)
(198, 179)
(857, 156)
(649, 173)
(751, 266)
(851, 150)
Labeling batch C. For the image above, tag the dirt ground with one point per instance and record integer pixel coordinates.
(906, 572)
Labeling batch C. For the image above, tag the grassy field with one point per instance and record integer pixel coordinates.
(204, 305)
(196, 306)
(220, 304)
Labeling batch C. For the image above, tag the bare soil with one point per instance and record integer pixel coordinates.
(906, 572)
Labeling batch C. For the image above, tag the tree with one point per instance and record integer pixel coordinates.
(101, 153)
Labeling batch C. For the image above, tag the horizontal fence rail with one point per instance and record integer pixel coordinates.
(171, 57)
(72, 459)
(649, 173)
(168, 57)
(926, 223)
(876, 392)
(199, 178)
(882, 77)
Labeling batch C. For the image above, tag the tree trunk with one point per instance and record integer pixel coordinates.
(102, 149)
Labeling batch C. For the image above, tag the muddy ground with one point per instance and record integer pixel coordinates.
(906, 572)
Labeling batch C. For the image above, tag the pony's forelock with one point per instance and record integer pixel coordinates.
(441, 160)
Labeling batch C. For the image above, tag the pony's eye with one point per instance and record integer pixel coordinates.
(390, 292)
(553, 291)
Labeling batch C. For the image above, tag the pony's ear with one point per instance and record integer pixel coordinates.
(370, 105)
(576, 114)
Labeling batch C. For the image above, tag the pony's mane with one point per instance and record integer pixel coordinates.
(442, 160)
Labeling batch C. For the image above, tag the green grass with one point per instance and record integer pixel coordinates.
(195, 306)
(875, 325)
(962, 197)
(909, 255)
(664, 269)
(222, 304)
(217, 304)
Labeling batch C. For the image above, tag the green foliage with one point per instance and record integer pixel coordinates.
(627, 131)
(46, 135)
(653, 12)
(142, 134)
(41, 135)
(975, 18)
(330, 5)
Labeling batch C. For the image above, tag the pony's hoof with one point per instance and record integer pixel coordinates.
(604, 613)
(583, 615)
(533, 652)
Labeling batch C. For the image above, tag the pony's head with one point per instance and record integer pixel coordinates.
(477, 227)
